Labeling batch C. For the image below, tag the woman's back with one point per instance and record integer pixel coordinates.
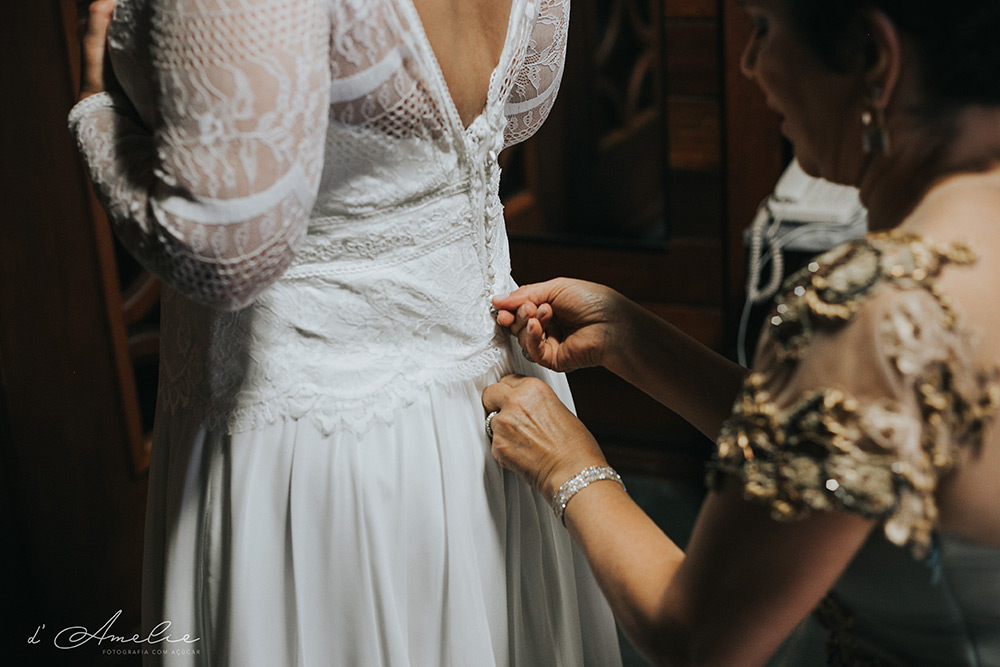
(878, 382)
(467, 39)
(967, 208)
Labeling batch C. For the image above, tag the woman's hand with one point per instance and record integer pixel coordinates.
(564, 324)
(536, 436)
(95, 71)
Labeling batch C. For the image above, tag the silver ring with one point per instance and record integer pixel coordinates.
(489, 425)
(526, 355)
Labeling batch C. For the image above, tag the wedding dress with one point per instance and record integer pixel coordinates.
(330, 234)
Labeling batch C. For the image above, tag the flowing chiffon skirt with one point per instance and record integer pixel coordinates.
(404, 545)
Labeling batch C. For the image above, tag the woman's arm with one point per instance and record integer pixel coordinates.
(95, 74)
(566, 324)
(691, 379)
(212, 189)
(746, 579)
(854, 432)
(744, 584)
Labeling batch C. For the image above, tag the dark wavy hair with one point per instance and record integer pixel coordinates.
(958, 41)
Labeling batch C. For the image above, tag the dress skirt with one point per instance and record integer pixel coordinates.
(404, 545)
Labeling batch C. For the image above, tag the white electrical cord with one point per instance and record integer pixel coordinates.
(765, 226)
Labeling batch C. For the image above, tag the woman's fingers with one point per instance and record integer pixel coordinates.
(496, 395)
(500, 401)
(527, 325)
(525, 304)
(544, 314)
(93, 46)
(535, 435)
(529, 320)
(96, 31)
(535, 293)
(533, 339)
(526, 311)
(516, 320)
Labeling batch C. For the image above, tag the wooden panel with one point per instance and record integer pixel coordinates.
(620, 158)
(523, 215)
(691, 8)
(697, 199)
(688, 272)
(76, 546)
(695, 138)
(692, 53)
(704, 324)
(628, 176)
(695, 135)
(621, 416)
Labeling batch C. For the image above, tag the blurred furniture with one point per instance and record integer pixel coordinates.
(652, 163)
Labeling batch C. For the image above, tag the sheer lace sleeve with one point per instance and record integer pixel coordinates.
(865, 390)
(213, 192)
(534, 90)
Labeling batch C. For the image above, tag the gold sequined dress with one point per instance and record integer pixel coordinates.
(864, 396)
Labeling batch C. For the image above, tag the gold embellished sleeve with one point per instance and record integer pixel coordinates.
(865, 417)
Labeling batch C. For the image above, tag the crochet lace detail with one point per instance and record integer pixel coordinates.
(300, 164)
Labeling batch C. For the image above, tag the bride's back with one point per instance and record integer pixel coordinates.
(467, 37)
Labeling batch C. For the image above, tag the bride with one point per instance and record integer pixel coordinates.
(316, 183)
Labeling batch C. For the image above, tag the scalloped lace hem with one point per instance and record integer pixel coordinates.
(327, 412)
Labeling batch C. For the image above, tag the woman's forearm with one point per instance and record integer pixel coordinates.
(694, 381)
(633, 562)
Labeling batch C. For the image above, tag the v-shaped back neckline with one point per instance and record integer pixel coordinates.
(451, 109)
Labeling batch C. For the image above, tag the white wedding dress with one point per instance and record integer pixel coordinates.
(321, 489)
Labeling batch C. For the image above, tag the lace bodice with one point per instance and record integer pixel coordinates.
(305, 158)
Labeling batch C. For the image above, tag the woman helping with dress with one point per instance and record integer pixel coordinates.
(316, 183)
(856, 465)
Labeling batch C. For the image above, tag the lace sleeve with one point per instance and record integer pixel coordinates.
(867, 422)
(213, 193)
(534, 90)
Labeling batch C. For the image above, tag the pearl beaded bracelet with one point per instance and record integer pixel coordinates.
(579, 482)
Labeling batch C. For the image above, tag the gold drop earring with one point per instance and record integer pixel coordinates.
(874, 135)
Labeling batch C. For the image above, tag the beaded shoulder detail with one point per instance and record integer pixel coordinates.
(831, 289)
(880, 455)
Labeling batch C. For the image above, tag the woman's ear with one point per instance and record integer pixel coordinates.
(883, 56)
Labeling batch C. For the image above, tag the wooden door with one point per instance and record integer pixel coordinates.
(77, 337)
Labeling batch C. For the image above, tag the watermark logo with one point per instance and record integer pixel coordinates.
(157, 640)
